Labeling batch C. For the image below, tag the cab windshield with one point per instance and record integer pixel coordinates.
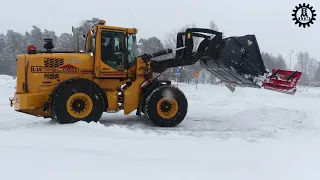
(123, 46)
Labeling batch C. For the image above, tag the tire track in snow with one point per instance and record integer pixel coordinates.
(14, 123)
(247, 113)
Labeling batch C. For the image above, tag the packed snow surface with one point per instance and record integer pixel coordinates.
(251, 134)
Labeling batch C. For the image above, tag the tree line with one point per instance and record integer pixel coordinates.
(13, 43)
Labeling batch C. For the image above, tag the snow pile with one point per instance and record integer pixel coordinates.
(249, 134)
(7, 82)
(214, 112)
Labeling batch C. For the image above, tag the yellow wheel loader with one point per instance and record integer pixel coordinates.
(108, 77)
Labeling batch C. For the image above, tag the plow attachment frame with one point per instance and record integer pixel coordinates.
(234, 60)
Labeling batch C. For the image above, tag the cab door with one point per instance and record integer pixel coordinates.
(110, 53)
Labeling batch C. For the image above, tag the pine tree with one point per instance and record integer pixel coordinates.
(36, 37)
(15, 44)
(65, 42)
(51, 35)
(280, 62)
(2, 59)
(83, 30)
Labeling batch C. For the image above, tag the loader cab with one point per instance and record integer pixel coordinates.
(113, 49)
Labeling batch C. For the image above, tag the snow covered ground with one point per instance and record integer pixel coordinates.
(252, 134)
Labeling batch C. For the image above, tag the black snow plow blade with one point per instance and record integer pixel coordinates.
(236, 60)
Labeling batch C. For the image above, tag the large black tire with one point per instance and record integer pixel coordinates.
(177, 106)
(86, 102)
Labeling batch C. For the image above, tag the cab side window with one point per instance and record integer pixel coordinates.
(112, 52)
(93, 43)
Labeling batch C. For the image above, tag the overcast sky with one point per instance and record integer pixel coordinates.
(269, 20)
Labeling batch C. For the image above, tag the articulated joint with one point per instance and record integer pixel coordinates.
(46, 106)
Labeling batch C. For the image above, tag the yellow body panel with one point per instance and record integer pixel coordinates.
(131, 95)
(45, 71)
(112, 97)
(31, 103)
(123, 29)
(38, 75)
(21, 69)
(108, 84)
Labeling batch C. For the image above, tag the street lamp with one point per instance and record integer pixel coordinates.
(290, 58)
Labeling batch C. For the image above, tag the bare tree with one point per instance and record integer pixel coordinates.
(312, 68)
(305, 62)
(317, 73)
(307, 66)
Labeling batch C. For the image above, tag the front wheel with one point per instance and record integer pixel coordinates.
(166, 106)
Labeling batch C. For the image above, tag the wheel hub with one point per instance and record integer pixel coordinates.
(166, 106)
(78, 105)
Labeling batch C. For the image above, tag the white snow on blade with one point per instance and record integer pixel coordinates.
(251, 134)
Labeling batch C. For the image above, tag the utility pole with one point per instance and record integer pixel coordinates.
(290, 58)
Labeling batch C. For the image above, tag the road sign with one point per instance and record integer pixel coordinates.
(196, 74)
(196, 81)
(178, 71)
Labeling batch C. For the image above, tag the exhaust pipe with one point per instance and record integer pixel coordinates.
(75, 39)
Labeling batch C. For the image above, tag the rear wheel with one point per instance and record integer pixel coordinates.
(166, 106)
(80, 101)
